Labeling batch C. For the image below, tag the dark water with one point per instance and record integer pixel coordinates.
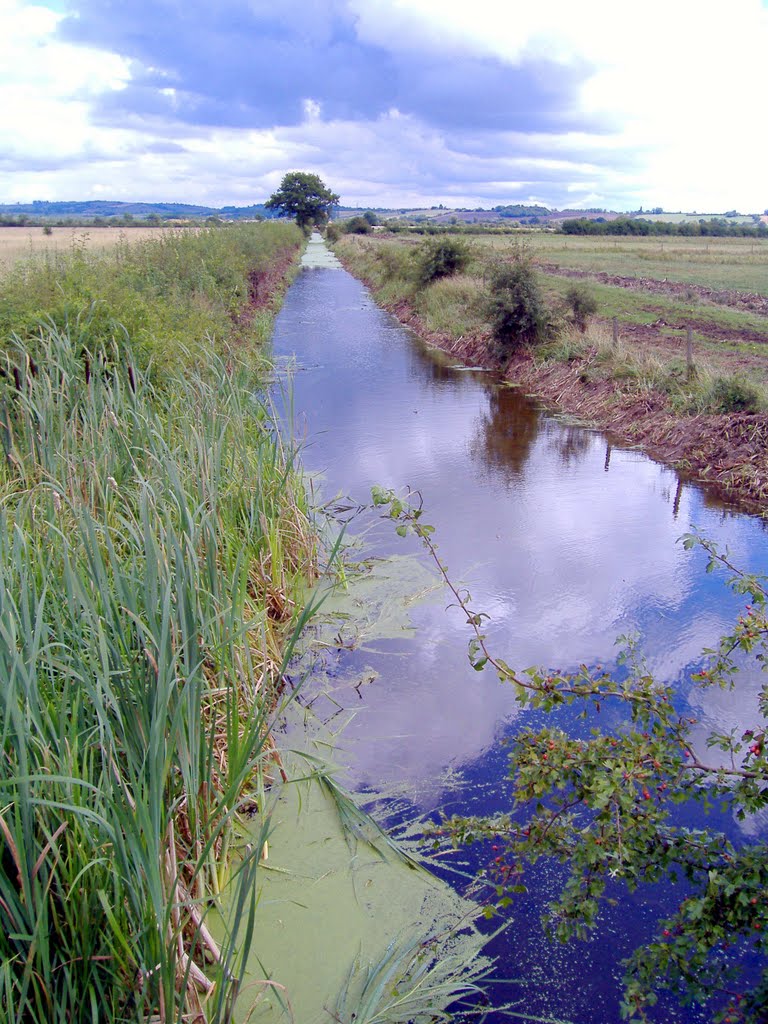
(563, 540)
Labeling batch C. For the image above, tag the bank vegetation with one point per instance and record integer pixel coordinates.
(155, 550)
(690, 385)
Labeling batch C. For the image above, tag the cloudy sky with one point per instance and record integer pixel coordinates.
(392, 102)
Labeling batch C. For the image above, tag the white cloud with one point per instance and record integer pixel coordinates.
(312, 110)
(674, 77)
(46, 85)
(672, 80)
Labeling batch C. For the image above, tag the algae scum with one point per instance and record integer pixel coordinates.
(317, 254)
(350, 927)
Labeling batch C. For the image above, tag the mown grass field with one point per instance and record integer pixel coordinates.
(719, 263)
(716, 286)
(19, 243)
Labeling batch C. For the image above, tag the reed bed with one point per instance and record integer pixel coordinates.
(175, 296)
(154, 542)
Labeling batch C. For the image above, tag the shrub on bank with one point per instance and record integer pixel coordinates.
(733, 394)
(332, 232)
(358, 226)
(582, 304)
(442, 257)
(516, 308)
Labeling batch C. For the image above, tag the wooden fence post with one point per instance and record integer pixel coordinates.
(615, 330)
(689, 354)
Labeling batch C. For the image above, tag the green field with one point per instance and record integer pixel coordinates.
(716, 324)
(720, 263)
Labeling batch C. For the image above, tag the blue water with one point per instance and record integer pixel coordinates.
(564, 540)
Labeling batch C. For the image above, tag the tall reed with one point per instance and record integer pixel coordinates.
(152, 544)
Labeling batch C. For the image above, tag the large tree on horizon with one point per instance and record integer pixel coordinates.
(304, 196)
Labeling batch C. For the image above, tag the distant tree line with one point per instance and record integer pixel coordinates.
(715, 226)
(519, 211)
(413, 227)
(152, 220)
(98, 213)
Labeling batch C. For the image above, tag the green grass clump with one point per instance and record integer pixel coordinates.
(390, 268)
(154, 540)
(734, 393)
(453, 305)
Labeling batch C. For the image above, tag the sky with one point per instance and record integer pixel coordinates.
(394, 103)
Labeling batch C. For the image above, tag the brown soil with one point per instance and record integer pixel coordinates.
(266, 283)
(658, 331)
(729, 453)
(265, 288)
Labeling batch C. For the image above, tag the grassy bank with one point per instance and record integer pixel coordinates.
(709, 419)
(155, 549)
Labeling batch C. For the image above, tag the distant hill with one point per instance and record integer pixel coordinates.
(106, 208)
(693, 218)
(512, 214)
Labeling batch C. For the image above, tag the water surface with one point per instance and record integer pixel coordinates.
(565, 540)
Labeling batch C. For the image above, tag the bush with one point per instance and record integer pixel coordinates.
(582, 304)
(357, 226)
(516, 307)
(333, 232)
(442, 257)
(734, 394)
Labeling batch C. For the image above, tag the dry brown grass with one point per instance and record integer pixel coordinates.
(20, 243)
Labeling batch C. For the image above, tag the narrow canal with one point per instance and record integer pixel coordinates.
(565, 541)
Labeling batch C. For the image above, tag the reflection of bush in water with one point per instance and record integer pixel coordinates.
(506, 432)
